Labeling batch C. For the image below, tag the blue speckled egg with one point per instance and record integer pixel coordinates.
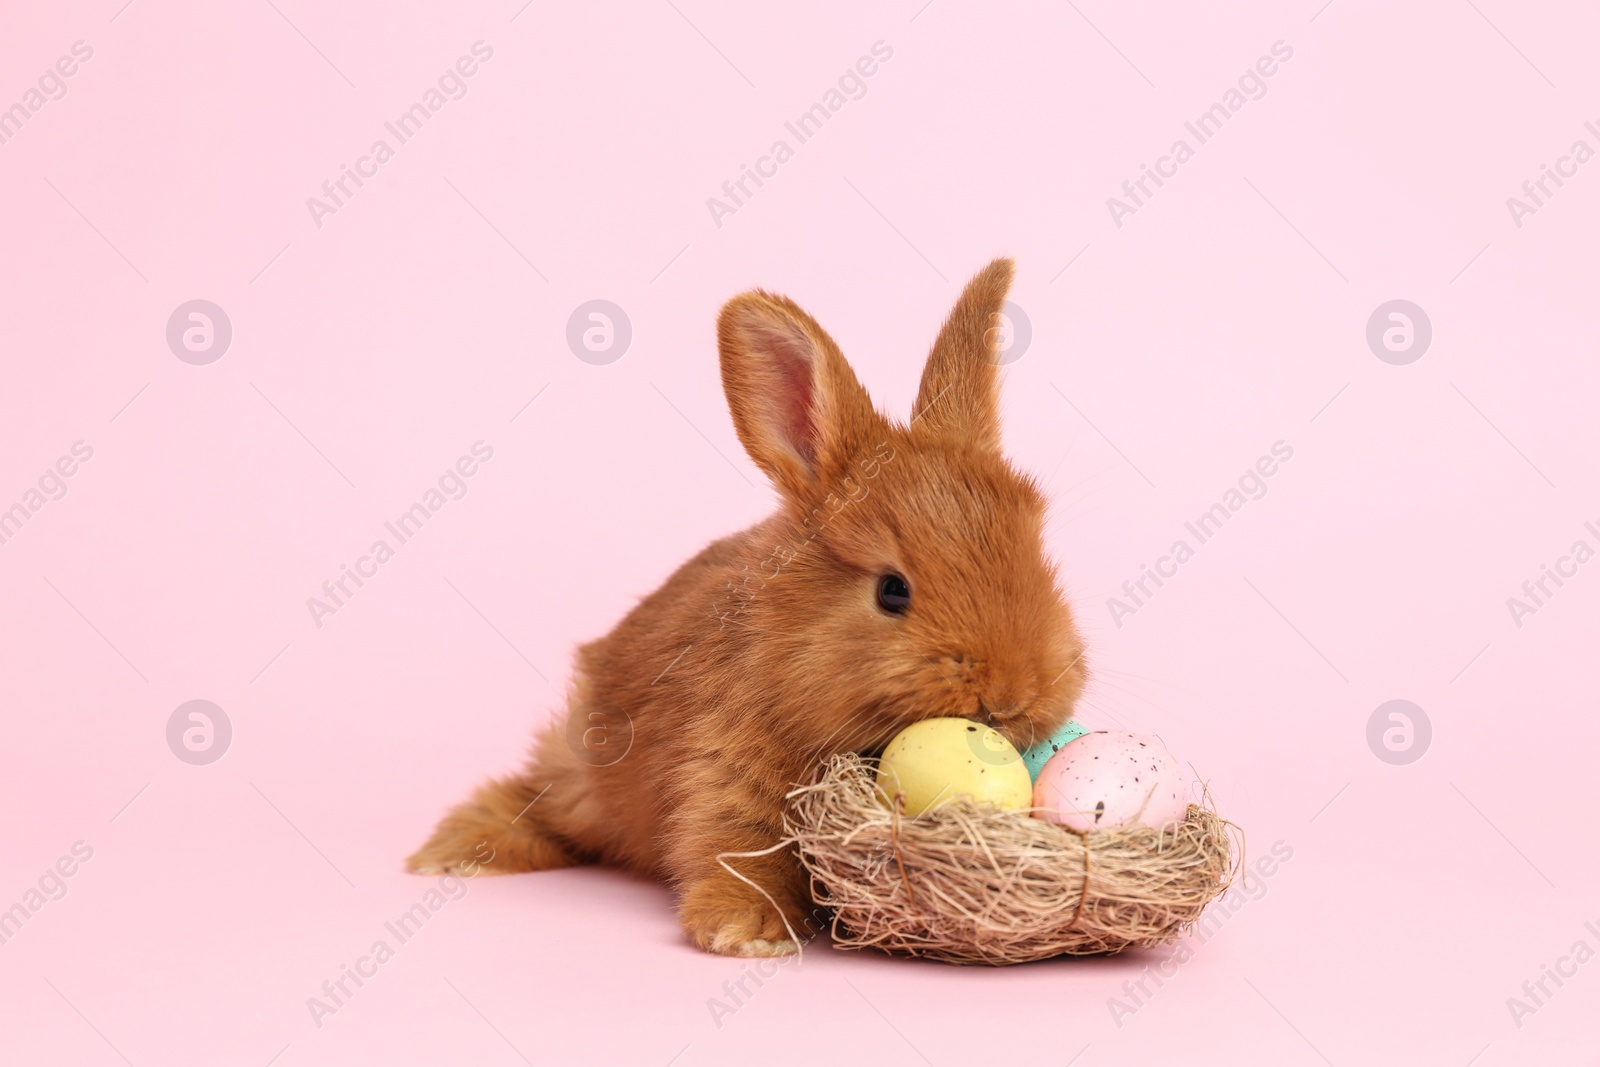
(1039, 754)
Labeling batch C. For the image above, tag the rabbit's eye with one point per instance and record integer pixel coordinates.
(894, 595)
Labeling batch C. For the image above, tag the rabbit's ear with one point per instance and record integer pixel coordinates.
(959, 398)
(796, 403)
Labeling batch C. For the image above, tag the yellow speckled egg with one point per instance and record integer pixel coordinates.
(934, 761)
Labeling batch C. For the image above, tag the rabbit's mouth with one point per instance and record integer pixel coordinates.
(1018, 723)
(1009, 720)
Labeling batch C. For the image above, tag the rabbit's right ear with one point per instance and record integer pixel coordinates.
(960, 394)
(796, 404)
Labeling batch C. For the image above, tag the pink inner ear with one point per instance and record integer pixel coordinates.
(795, 414)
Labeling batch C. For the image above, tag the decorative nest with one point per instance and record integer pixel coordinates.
(970, 884)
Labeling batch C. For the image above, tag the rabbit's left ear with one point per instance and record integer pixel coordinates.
(796, 404)
(960, 395)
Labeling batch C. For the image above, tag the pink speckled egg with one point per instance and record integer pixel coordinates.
(1111, 778)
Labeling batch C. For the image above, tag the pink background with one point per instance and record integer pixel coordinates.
(368, 354)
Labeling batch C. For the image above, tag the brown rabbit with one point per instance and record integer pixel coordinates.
(903, 578)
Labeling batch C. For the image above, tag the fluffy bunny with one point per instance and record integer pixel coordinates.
(902, 578)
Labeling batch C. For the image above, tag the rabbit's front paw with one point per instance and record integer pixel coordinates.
(727, 917)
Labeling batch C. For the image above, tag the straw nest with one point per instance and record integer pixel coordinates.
(970, 884)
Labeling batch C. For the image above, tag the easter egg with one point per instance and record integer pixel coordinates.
(1109, 779)
(934, 761)
(1035, 756)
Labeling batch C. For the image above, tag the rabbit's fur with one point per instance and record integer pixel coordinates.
(769, 650)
